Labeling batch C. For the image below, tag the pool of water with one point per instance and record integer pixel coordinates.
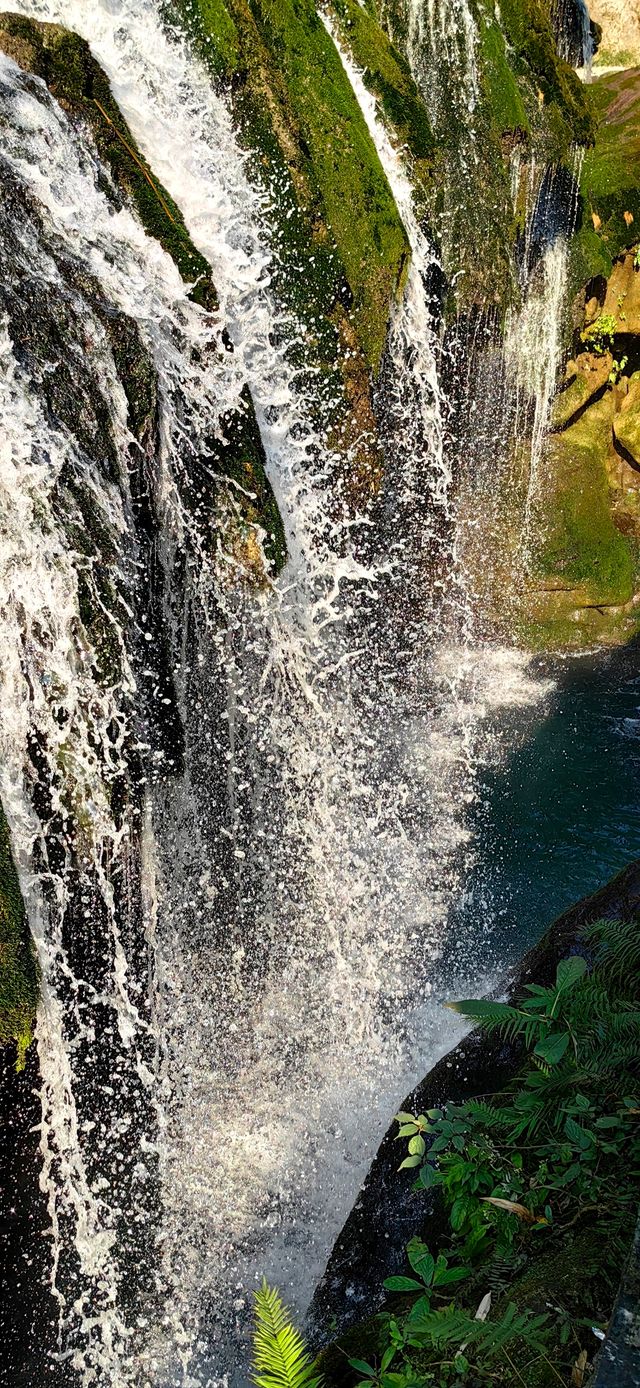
(558, 807)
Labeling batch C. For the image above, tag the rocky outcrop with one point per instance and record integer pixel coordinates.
(583, 581)
(77, 81)
(64, 61)
(610, 181)
(619, 22)
(388, 1212)
(626, 425)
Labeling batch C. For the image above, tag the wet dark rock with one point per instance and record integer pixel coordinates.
(619, 1362)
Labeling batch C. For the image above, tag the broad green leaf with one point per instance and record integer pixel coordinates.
(362, 1367)
(569, 971)
(441, 1279)
(407, 1130)
(578, 1135)
(417, 1146)
(405, 1118)
(552, 1048)
(388, 1355)
(421, 1260)
(409, 1161)
(402, 1284)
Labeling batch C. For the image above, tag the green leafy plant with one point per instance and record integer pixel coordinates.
(559, 1149)
(280, 1356)
(598, 336)
(536, 1189)
(617, 369)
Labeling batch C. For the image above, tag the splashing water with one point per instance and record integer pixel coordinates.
(444, 27)
(534, 334)
(295, 876)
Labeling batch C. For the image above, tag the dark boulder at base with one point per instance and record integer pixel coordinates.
(388, 1212)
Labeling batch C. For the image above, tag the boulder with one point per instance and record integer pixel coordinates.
(585, 376)
(626, 423)
(388, 1212)
(622, 299)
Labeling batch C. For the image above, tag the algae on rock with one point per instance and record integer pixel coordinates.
(18, 970)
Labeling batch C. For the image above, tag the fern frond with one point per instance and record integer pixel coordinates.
(438, 1329)
(491, 1116)
(617, 950)
(280, 1356)
(499, 1017)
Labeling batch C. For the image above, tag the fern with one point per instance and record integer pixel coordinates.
(617, 949)
(499, 1017)
(438, 1329)
(488, 1114)
(280, 1356)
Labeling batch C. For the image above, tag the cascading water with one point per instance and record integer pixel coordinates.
(281, 889)
(534, 335)
(341, 907)
(449, 27)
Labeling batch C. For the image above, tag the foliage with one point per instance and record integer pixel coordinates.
(280, 1356)
(599, 335)
(18, 971)
(539, 1184)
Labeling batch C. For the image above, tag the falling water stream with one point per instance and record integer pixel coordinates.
(270, 905)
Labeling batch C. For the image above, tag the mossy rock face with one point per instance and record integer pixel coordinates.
(295, 108)
(610, 180)
(583, 569)
(527, 101)
(18, 971)
(77, 81)
(626, 424)
(584, 378)
(564, 114)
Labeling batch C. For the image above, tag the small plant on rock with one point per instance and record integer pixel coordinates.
(598, 336)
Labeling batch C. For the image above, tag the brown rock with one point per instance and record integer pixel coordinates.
(623, 295)
(584, 378)
(626, 423)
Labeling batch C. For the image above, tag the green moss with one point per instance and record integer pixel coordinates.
(357, 201)
(529, 34)
(579, 543)
(295, 106)
(65, 63)
(386, 72)
(610, 182)
(501, 90)
(242, 458)
(18, 972)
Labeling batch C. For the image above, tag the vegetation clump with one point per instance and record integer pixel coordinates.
(18, 971)
(538, 1185)
(598, 336)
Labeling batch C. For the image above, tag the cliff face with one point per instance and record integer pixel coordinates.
(587, 522)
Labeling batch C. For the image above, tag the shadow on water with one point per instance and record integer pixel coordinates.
(558, 814)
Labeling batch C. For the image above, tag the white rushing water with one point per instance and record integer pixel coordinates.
(297, 873)
(448, 27)
(535, 332)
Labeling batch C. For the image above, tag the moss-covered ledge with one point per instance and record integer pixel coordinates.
(18, 971)
(64, 61)
(289, 87)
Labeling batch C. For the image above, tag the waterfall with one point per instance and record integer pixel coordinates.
(291, 939)
(535, 333)
(265, 908)
(446, 28)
